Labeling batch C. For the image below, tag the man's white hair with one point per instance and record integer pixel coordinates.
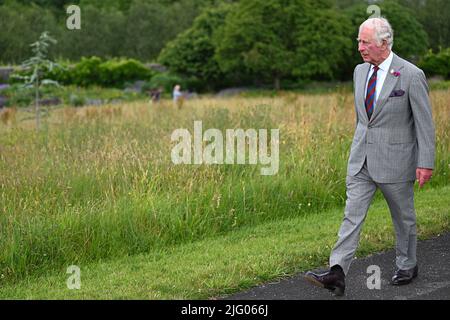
(383, 30)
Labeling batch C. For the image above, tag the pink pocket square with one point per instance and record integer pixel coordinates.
(397, 93)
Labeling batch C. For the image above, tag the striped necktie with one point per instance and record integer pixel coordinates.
(370, 95)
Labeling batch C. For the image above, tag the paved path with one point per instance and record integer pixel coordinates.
(433, 281)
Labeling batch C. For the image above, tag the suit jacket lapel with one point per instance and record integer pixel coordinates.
(388, 85)
(360, 99)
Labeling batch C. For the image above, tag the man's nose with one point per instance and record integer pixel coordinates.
(360, 47)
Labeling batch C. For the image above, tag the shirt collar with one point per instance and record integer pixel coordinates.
(384, 66)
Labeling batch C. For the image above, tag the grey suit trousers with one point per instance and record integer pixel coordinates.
(400, 198)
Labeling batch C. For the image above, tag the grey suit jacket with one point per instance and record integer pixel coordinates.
(400, 135)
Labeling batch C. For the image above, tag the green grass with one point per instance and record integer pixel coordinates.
(97, 184)
(235, 261)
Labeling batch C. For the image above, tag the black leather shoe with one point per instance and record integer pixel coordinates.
(404, 276)
(333, 280)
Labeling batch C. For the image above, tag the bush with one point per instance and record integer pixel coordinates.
(114, 73)
(63, 75)
(19, 95)
(86, 72)
(437, 63)
(83, 73)
(95, 71)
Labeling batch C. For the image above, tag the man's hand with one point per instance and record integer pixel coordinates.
(423, 175)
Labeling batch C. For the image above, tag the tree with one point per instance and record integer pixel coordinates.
(276, 39)
(102, 34)
(123, 5)
(191, 53)
(21, 25)
(251, 41)
(150, 25)
(434, 15)
(132, 28)
(55, 4)
(38, 65)
(146, 29)
(322, 45)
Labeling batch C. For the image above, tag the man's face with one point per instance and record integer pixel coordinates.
(370, 50)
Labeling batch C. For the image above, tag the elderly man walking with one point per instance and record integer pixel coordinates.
(393, 145)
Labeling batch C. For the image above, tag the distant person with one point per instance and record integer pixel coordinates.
(178, 97)
(155, 95)
(394, 144)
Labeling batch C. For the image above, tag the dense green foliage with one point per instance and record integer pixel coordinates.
(218, 43)
(265, 42)
(275, 39)
(434, 15)
(136, 29)
(97, 71)
(437, 63)
(192, 52)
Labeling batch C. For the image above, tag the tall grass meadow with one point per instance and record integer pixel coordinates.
(98, 183)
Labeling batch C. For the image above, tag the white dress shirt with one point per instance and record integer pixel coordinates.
(381, 76)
